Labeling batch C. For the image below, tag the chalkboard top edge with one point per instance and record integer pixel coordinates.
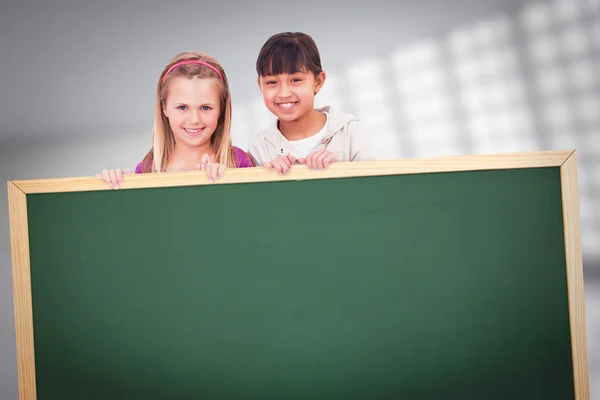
(538, 159)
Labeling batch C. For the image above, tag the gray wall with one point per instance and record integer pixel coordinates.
(427, 78)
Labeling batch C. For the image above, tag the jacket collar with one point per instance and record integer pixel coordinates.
(335, 123)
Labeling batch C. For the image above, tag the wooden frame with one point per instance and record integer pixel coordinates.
(566, 160)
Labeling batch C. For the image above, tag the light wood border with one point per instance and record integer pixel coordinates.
(574, 261)
(337, 170)
(566, 160)
(19, 248)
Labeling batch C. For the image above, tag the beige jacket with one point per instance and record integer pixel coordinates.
(344, 136)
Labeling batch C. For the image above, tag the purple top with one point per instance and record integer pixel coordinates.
(242, 160)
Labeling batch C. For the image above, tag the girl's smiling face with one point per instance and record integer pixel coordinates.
(290, 96)
(193, 108)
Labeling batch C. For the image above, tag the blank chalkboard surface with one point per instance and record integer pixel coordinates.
(449, 278)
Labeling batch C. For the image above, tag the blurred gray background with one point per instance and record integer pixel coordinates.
(427, 78)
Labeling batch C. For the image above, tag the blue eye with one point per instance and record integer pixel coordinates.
(206, 108)
(182, 108)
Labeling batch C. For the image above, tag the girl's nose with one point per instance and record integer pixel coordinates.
(194, 117)
(284, 91)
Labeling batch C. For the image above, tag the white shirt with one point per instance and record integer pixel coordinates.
(305, 146)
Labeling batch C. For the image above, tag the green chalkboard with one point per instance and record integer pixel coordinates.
(425, 286)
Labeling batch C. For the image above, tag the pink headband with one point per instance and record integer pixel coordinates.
(192, 62)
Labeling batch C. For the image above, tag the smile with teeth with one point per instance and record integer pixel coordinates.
(287, 106)
(193, 131)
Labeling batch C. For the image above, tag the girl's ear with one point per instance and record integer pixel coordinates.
(164, 111)
(319, 81)
(258, 82)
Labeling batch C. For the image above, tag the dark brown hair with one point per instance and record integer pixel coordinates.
(288, 53)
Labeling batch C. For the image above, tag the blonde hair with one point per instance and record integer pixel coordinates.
(163, 141)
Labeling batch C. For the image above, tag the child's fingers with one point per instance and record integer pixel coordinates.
(302, 160)
(114, 180)
(119, 174)
(208, 169)
(281, 164)
(106, 177)
(221, 170)
(291, 158)
(310, 160)
(215, 171)
(329, 159)
(205, 159)
(321, 158)
(210, 172)
(285, 161)
(218, 170)
(286, 164)
(317, 159)
(278, 165)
